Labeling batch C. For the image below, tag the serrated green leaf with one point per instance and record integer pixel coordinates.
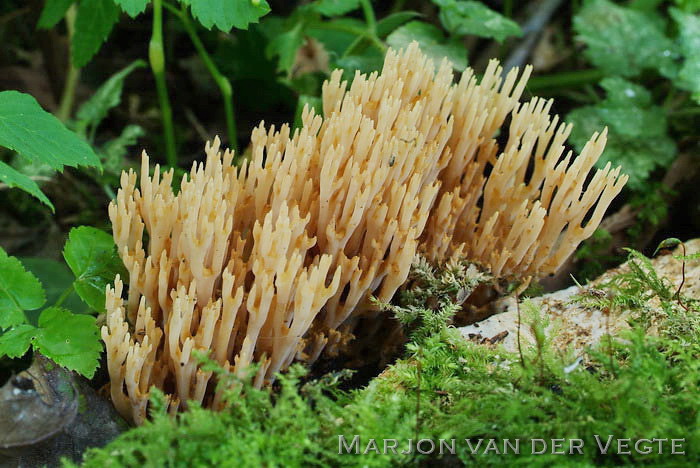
(92, 257)
(53, 12)
(432, 42)
(335, 7)
(638, 131)
(15, 342)
(228, 14)
(688, 77)
(56, 278)
(115, 150)
(389, 23)
(623, 41)
(70, 340)
(39, 136)
(106, 97)
(133, 8)
(285, 46)
(93, 23)
(625, 93)
(469, 17)
(19, 291)
(13, 178)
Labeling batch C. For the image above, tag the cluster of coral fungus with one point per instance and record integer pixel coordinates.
(276, 259)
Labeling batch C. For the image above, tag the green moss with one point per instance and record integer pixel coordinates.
(634, 387)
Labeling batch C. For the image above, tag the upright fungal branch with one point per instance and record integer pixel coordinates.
(276, 259)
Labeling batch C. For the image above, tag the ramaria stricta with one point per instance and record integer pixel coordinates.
(276, 259)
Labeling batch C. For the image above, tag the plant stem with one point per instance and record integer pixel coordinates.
(563, 80)
(64, 295)
(369, 34)
(689, 111)
(221, 81)
(370, 18)
(156, 57)
(68, 95)
(508, 8)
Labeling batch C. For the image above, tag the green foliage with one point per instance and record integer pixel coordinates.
(19, 291)
(638, 138)
(40, 137)
(623, 41)
(432, 295)
(651, 208)
(257, 429)
(335, 7)
(53, 12)
(445, 388)
(688, 77)
(14, 178)
(305, 100)
(433, 43)
(469, 17)
(390, 22)
(227, 14)
(133, 7)
(93, 24)
(691, 6)
(285, 46)
(113, 153)
(93, 259)
(106, 97)
(56, 278)
(70, 339)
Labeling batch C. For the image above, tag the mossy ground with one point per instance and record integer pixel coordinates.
(635, 386)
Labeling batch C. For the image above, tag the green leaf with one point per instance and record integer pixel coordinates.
(93, 23)
(689, 38)
(133, 8)
(432, 42)
(106, 97)
(638, 131)
(114, 151)
(387, 24)
(13, 178)
(336, 35)
(37, 135)
(56, 278)
(623, 41)
(363, 63)
(19, 291)
(285, 46)
(92, 257)
(691, 6)
(53, 12)
(228, 14)
(468, 17)
(312, 101)
(70, 340)
(335, 7)
(15, 342)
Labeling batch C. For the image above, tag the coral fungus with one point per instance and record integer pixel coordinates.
(276, 259)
